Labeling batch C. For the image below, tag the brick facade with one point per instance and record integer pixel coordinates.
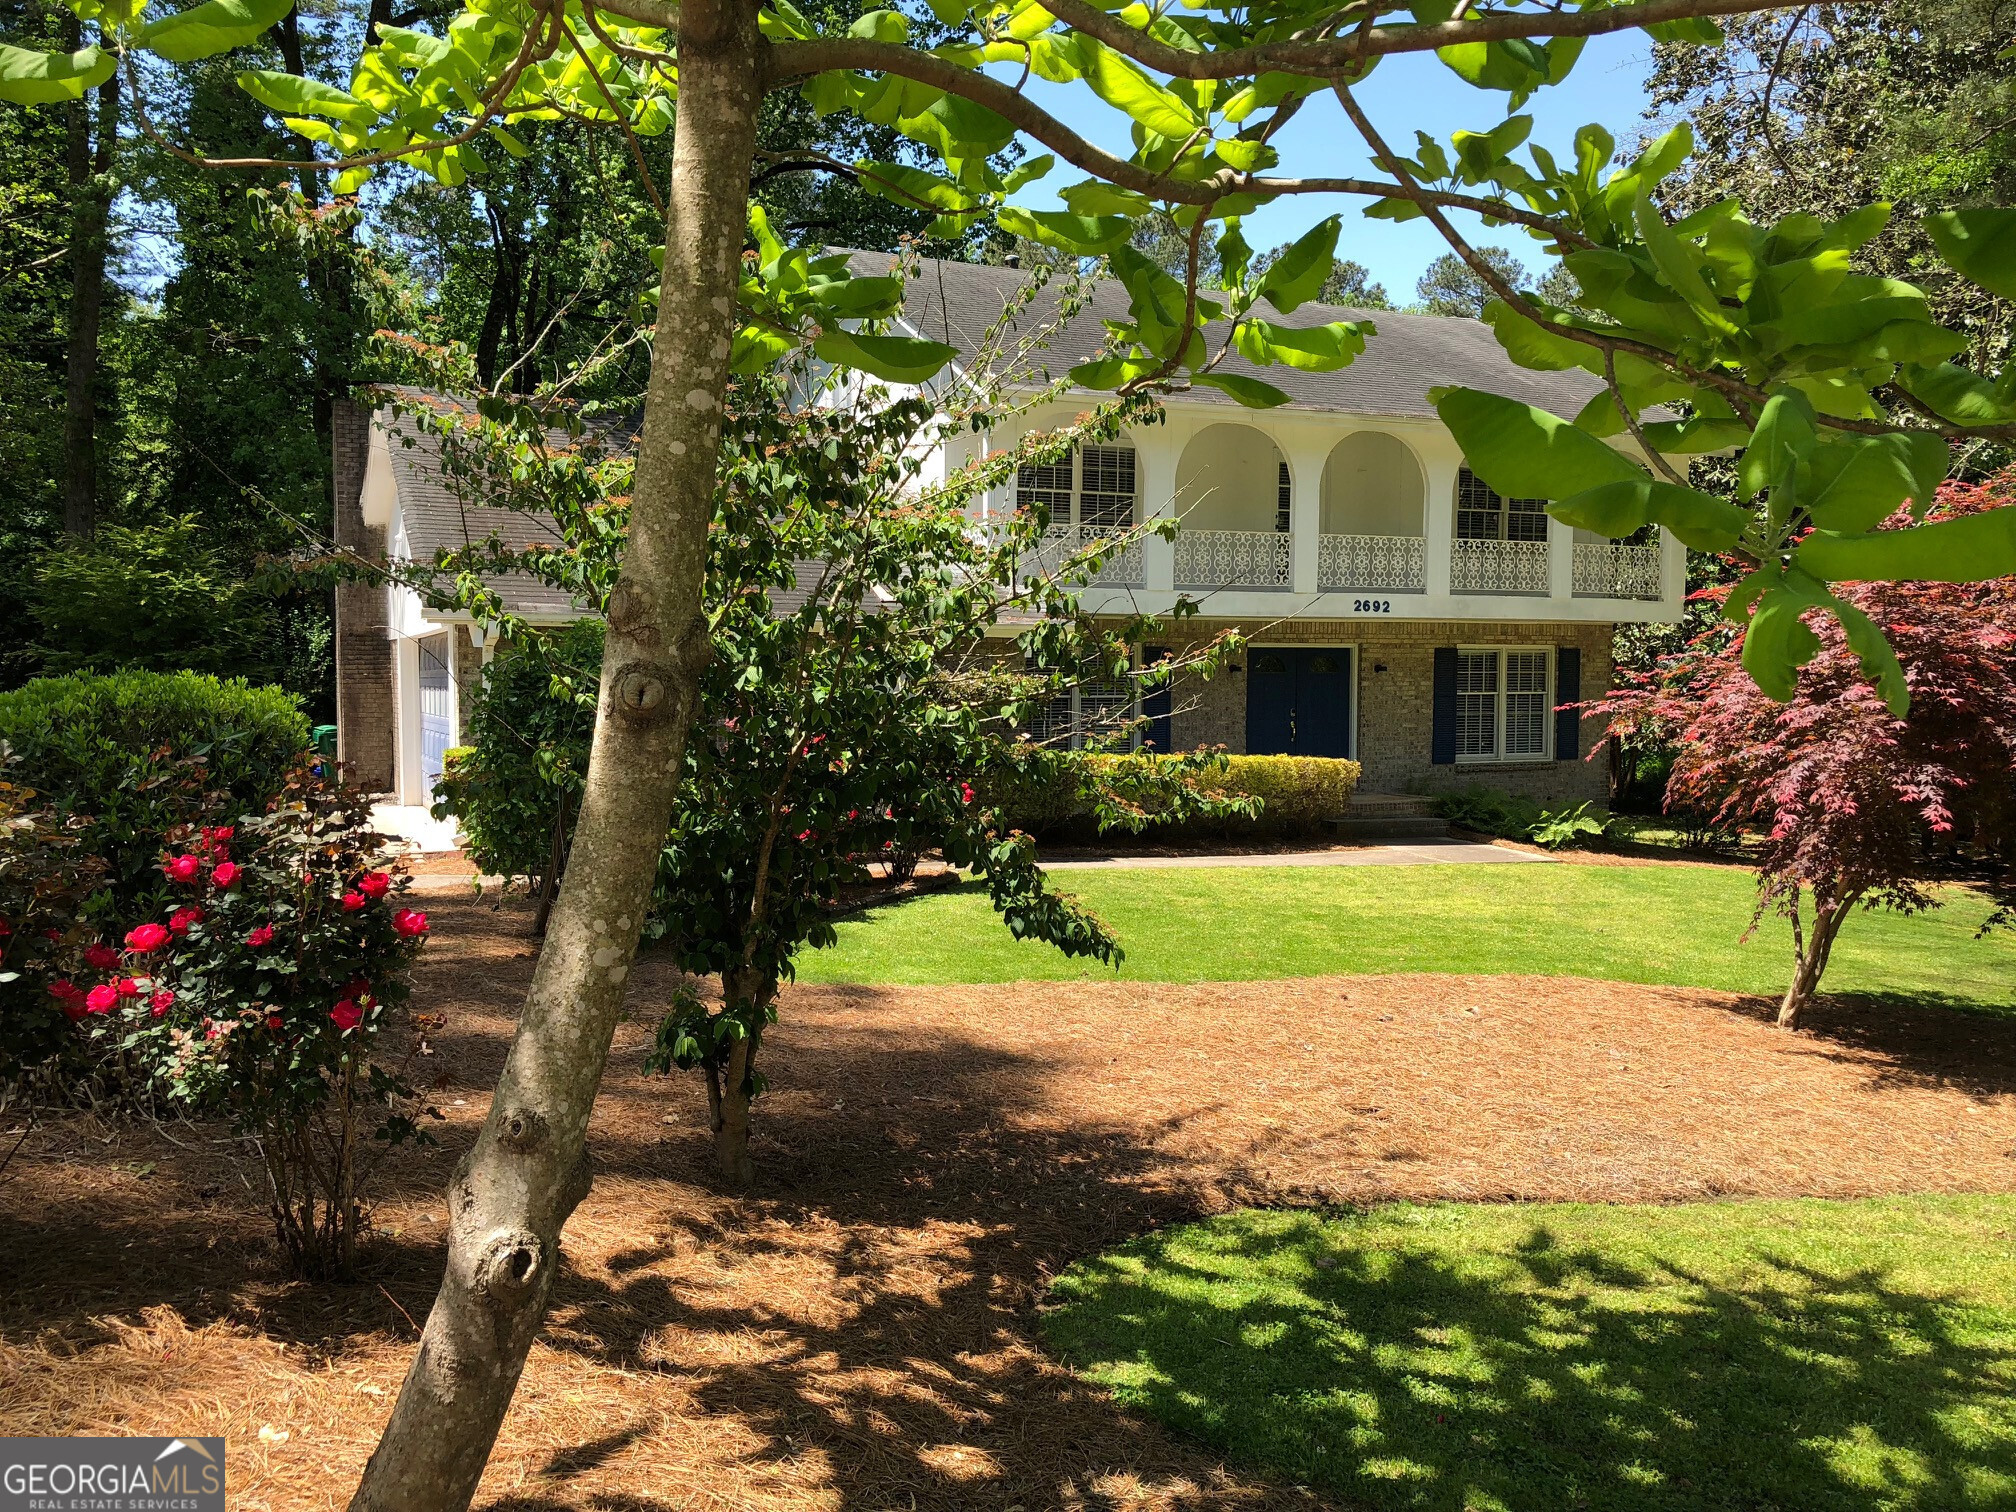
(1395, 685)
(366, 685)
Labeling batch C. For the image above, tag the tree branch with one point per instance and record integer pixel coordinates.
(1326, 57)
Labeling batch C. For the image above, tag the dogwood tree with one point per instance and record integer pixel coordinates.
(1840, 389)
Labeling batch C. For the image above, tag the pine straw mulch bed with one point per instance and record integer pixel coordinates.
(858, 1333)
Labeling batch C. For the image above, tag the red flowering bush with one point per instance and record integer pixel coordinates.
(266, 996)
(1857, 806)
(47, 879)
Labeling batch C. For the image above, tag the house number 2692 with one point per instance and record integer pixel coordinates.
(1371, 606)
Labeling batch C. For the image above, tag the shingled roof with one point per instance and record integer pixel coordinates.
(956, 302)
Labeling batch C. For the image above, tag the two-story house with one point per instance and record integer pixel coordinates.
(1396, 609)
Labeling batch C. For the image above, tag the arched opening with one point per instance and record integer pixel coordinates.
(1499, 545)
(1233, 494)
(1373, 511)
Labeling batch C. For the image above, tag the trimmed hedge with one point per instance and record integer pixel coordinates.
(127, 754)
(1296, 793)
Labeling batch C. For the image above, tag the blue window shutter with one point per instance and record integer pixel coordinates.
(1442, 744)
(1567, 690)
(1158, 706)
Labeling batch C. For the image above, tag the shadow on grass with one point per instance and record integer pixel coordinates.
(1538, 1376)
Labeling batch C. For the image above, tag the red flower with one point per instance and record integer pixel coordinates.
(409, 923)
(356, 987)
(804, 835)
(6, 929)
(965, 792)
(375, 884)
(101, 957)
(64, 990)
(352, 901)
(181, 868)
(126, 987)
(180, 920)
(263, 935)
(346, 1015)
(146, 939)
(225, 874)
(101, 999)
(221, 833)
(273, 1022)
(161, 1002)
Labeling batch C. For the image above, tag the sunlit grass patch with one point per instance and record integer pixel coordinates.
(1796, 1355)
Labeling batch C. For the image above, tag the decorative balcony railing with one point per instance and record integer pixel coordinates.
(1604, 570)
(1498, 566)
(1390, 564)
(1121, 569)
(1234, 559)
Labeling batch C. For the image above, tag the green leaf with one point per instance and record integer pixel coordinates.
(1297, 275)
(1971, 549)
(1027, 173)
(1676, 261)
(1962, 397)
(1526, 453)
(1107, 373)
(289, 94)
(1857, 484)
(1126, 88)
(215, 26)
(882, 26)
(1697, 519)
(898, 359)
(914, 188)
(1250, 392)
(1778, 642)
(1784, 436)
(1877, 655)
(1314, 349)
(1081, 234)
(1980, 244)
(39, 78)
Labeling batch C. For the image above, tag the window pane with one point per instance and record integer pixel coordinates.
(1106, 486)
(1047, 484)
(1480, 513)
(1051, 723)
(1526, 703)
(1104, 709)
(1284, 496)
(1477, 703)
(1525, 519)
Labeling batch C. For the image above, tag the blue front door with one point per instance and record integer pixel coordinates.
(1298, 701)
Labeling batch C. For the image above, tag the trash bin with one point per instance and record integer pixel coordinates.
(324, 737)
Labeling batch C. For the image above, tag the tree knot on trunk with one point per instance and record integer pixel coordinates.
(509, 1265)
(522, 1129)
(639, 688)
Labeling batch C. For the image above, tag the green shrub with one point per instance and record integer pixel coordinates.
(125, 760)
(1489, 811)
(1295, 795)
(528, 732)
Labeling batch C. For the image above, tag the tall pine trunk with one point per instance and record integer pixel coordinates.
(90, 169)
(529, 1168)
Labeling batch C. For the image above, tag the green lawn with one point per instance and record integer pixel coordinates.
(1803, 1356)
(1663, 924)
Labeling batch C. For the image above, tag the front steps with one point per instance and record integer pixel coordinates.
(1388, 816)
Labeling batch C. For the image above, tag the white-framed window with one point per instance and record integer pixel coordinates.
(1091, 712)
(1484, 514)
(1101, 481)
(1504, 703)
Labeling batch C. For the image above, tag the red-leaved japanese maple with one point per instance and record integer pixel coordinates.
(1856, 806)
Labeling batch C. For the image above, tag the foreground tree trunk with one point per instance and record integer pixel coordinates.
(529, 1167)
(1811, 957)
(731, 1084)
(90, 169)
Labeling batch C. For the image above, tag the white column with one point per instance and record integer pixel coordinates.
(406, 728)
(1672, 573)
(1560, 560)
(1156, 450)
(1440, 460)
(1306, 456)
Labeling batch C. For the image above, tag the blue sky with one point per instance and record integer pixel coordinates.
(1404, 94)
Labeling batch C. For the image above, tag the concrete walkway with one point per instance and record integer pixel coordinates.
(1389, 853)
